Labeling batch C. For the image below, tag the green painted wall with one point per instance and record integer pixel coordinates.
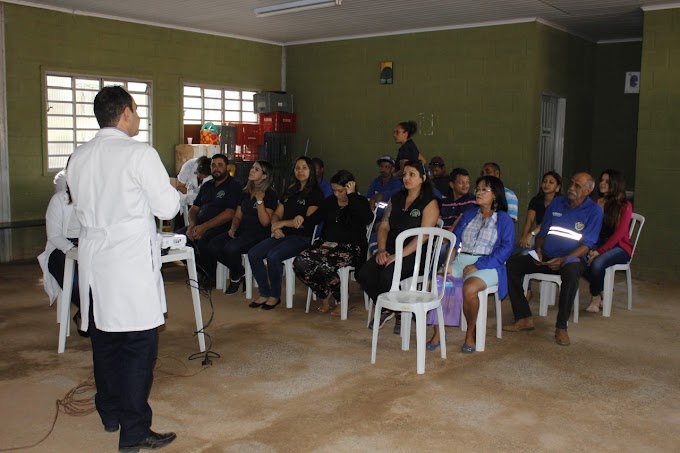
(615, 117)
(565, 68)
(658, 147)
(38, 40)
(476, 84)
(482, 86)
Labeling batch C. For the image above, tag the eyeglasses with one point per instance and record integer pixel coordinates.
(484, 190)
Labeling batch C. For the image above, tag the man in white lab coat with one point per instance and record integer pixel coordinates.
(118, 184)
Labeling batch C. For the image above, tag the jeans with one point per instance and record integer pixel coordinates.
(520, 265)
(595, 272)
(228, 251)
(275, 251)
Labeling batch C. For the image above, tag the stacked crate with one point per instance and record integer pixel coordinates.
(277, 124)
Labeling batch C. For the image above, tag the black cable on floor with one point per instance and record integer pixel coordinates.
(205, 291)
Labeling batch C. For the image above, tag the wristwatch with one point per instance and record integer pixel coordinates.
(259, 201)
(533, 233)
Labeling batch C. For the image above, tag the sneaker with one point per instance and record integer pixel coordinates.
(397, 326)
(385, 316)
(233, 286)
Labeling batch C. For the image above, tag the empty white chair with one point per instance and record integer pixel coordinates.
(480, 335)
(549, 282)
(638, 222)
(420, 295)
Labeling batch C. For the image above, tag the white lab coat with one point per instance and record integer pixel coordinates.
(187, 176)
(118, 185)
(61, 223)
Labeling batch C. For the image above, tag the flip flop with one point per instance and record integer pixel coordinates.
(432, 346)
(467, 349)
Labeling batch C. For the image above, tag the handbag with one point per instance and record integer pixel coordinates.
(452, 302)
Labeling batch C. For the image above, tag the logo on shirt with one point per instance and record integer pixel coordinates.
(557, 214)
(302, 202)
(219, 194)
(415, 213)
(579, 226)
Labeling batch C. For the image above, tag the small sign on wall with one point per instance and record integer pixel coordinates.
(632, 82)
(386, 73)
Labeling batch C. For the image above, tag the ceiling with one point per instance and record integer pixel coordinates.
(596, 20)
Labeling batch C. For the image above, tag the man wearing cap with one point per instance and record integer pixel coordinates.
(439, 176)
(384, 186)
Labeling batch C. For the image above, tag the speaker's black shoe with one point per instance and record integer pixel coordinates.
(153, 442)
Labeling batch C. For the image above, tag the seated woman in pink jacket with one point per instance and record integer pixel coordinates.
(613, 246)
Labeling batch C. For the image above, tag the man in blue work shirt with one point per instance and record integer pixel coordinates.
(570, 228)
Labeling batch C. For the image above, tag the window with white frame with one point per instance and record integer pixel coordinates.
(217, 105)
(70, 112)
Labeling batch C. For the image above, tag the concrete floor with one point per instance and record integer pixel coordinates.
(294, 382)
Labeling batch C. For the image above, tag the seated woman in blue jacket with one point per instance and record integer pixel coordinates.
(484, 240)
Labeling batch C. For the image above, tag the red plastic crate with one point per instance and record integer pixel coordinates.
(248, 134)
(245, 153)
(278, 122)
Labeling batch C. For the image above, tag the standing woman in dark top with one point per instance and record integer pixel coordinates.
(250, 224)
(292, 231)
(408, 150)
(345, 215)
(414, 206)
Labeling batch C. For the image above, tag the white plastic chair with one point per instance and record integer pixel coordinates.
(608, 291)
(480, 335)
(222, 276)
(290, 274)
(345, 273)
(368, 302)
(549, 282)
(411, 299)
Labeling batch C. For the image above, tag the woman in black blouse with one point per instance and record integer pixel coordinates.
(345, 215)
(408, 150)
(414, 206)
(551, 185)
(250, 224)
(292, 230)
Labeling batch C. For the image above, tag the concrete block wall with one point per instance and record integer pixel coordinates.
(39, 40)
(658, 147)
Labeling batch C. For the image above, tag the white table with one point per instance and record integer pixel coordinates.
(64, 301)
